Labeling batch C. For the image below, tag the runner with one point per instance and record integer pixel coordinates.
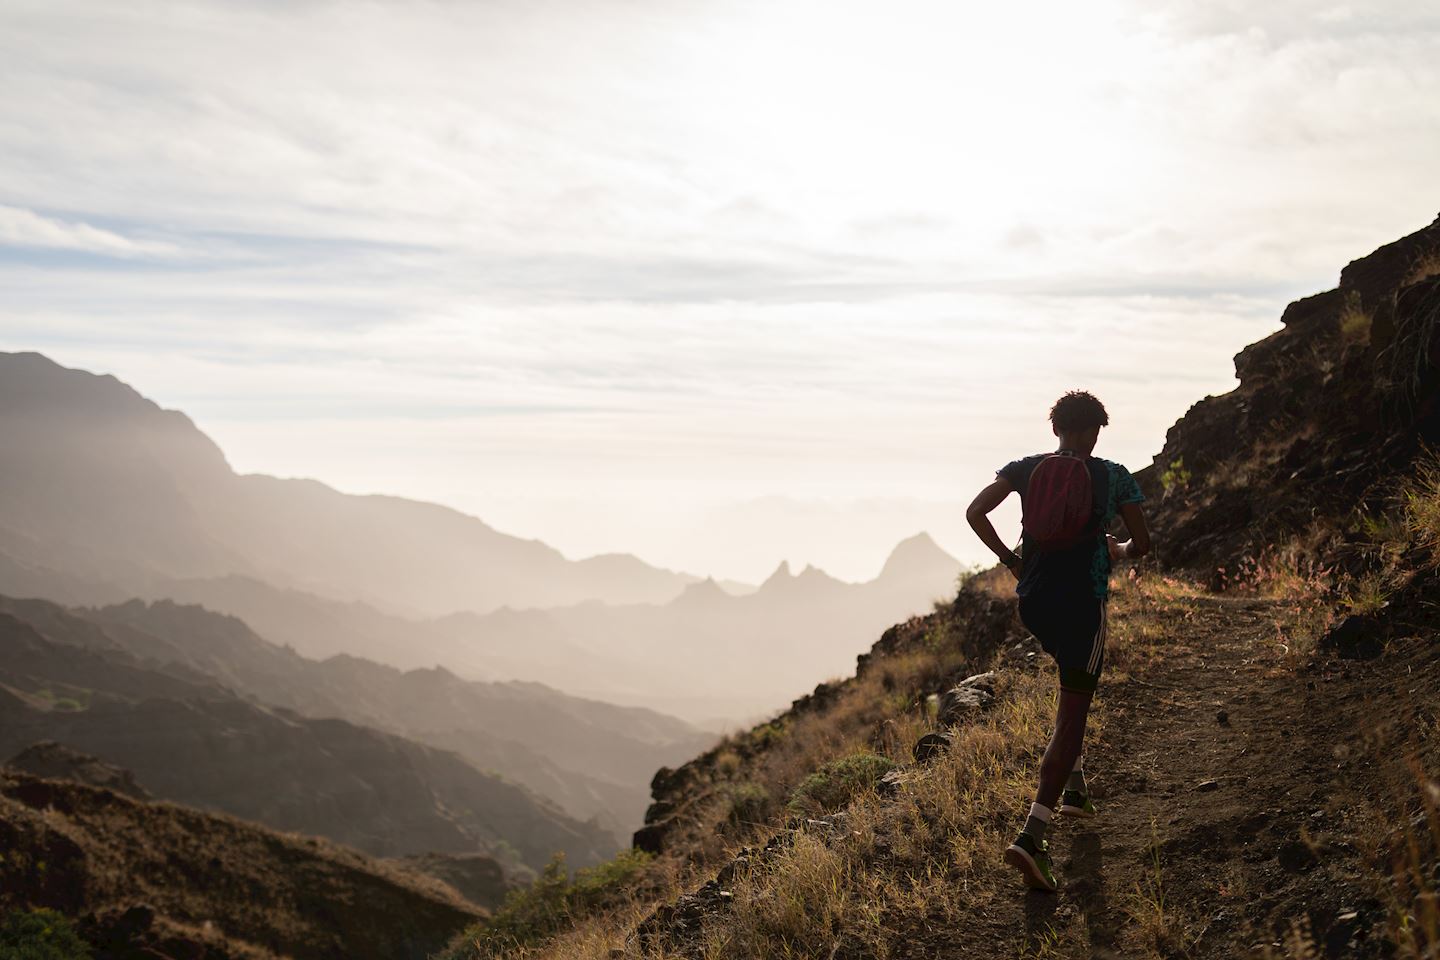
(1068, 499)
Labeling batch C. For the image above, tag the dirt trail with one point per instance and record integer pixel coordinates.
(1230, 805)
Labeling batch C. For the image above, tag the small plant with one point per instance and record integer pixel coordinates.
(767, 734)
(1422, 507)
(1427, 265)
(750, 804)
(40, 935)
(1355, 321)
(727, 763)
(1413, 891)
(1368, 595)
(533, 915)
(1175, 477)
(1152, 912)
(1299, 943)
(1386, 533)
(838, 782)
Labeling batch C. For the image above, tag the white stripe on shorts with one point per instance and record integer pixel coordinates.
(1097, 648)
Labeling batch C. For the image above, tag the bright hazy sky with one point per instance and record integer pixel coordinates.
(717, 283)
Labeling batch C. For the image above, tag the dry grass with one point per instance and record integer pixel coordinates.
(1369, 594)
(1296, 573)
(1159, 925)
(928, 853)
(756, 774)
(1355, 323)
(893, 868)
(1421, 503)
(1415, 917)
(1425, 267)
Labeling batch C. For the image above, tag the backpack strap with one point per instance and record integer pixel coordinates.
(1099, 491)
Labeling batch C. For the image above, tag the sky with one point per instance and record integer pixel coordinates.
(715, 283)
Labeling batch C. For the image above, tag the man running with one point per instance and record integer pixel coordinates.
(1069, 500)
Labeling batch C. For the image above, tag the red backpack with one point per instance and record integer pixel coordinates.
(1059, 508)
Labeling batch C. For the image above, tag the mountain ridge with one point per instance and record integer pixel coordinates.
(191, 515)
(190, 740)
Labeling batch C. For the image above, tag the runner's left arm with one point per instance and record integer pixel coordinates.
(978, 516)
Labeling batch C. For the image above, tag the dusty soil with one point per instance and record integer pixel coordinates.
(1239, 791)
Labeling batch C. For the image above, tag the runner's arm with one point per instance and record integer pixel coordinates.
(978, 516)
(1139, 543)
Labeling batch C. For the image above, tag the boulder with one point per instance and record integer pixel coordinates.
(966, 699)
(929, 747)
(1355, 638)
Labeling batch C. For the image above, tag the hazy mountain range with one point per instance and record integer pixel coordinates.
(186, 738)
(692, 657)
(104, 487)
(106, 497)
(372, 628)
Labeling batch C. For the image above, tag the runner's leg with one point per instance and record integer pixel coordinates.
(1065, 745)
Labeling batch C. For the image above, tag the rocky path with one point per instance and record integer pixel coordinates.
(1231, 786)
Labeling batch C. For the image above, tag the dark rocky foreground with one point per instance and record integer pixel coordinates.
(157, 880)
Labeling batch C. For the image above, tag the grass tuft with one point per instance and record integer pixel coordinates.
(835, 784)
(1422, 507)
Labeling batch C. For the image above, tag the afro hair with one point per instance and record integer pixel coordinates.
(1077, 412)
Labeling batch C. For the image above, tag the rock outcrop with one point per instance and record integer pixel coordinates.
(55, 761)
(1344, 396)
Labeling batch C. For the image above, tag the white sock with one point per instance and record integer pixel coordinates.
(1077, 775)
(1037, 821)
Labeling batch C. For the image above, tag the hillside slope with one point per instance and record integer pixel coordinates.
(591, 758)
(159, 880)
(187, 739)
(1265, 749)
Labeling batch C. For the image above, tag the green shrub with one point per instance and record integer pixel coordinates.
(750, 803)
(835, 784)
(536, 913)
(1175, 477)
(767, 734)
(40, 935)
(1355, 321)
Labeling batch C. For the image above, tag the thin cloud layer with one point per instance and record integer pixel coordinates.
(27, 229)
(678, 257)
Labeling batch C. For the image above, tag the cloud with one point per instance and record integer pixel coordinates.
(689, 252)
(26, 228)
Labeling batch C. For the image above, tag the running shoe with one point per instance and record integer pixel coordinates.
(1076, 803)
(1032, 858)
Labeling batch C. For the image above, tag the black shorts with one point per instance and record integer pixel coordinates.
(1072, 630)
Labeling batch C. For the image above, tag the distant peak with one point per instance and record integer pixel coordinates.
(781, 574)
(916, 553)
(706, 589)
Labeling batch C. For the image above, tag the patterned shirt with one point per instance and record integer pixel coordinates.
(1088, 563)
